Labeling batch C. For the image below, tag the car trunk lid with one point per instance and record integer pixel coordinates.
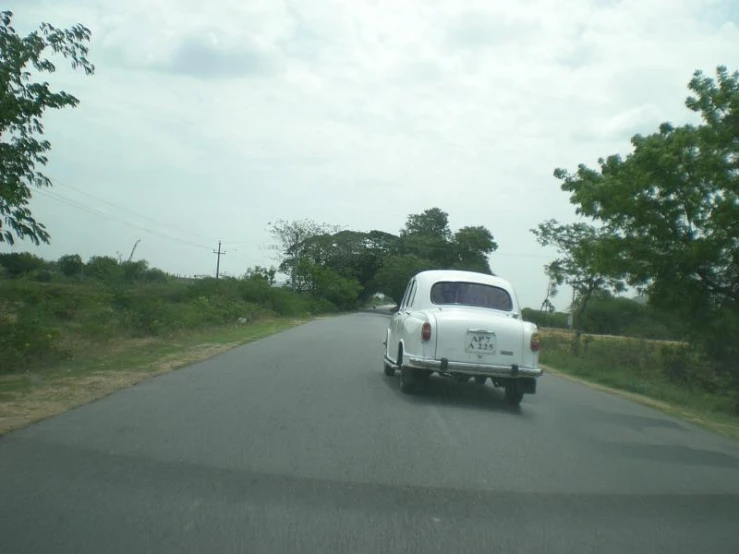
(478, 335)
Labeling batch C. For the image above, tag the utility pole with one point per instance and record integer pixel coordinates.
(218, 263)
(130, 257)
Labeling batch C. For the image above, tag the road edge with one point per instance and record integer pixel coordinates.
(159, 366)
(703, 420)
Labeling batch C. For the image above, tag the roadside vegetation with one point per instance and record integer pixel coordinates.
(71, 332)
(670, 376)
(47, 316)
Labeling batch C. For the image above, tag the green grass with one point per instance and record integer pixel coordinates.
(659, 373)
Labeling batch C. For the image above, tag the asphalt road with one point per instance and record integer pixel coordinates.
(299, 443)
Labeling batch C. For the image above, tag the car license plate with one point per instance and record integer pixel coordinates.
(481, 343)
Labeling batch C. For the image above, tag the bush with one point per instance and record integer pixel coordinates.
(557, 320)
(105, 269)
(26, 341)
(19, 264)
(134, 271)
(674, 372)
(37, 317)
(158, 309)
(71, 265)
(285, 302)
(626, 317)
(155, 275)
(255, 290)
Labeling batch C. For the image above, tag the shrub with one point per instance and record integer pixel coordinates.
(17, 264)
(105, 269)
(556, 320)
(26, 341)
(71, 265)
(155, 275)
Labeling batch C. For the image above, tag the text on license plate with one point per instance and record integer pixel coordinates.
(480, 342)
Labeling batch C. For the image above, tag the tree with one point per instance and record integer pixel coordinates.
(291, 241)
(324, 282)
(155, 275)
(134, 271)
(104, 268)
(671, 209)
(433, 222)
(552, 291)
(471, 247)
(22, 104)
(353, 255)
(427, 235)
(395, 273)
(263, 273)
(71, 265)
(580, 263)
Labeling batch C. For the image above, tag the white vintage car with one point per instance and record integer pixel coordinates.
(462, 325)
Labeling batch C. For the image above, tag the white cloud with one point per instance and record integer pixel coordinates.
(218, 117)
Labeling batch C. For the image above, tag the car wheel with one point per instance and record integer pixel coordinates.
(513, 393)
(407, 375)
(480, 379)
(407, 380)
(389, 370)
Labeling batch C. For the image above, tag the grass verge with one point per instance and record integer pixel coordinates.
(640, 370)
(105, 368)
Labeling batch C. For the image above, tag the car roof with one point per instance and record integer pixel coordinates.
(432, 276)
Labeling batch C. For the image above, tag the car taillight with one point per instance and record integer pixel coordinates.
(426, 331)
(535, 343)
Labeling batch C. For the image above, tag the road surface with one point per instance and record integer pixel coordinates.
(299, 443)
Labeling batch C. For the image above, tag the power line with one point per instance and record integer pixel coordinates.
(110, 217)
(153, 220)
(119, 207)
(92, 210)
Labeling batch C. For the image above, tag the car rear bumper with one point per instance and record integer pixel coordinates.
(447, 366)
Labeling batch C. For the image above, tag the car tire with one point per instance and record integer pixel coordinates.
(389, 370)
(407, 375)
(407, 380)
(513, 393)
(480, 379)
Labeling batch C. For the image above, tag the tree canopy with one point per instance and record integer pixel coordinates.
(580, 263)
(358, 264)
(669, 214)
(23, 101)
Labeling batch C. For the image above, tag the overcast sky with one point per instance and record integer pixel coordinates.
(210, 119)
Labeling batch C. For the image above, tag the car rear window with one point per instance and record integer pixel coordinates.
(471, 294)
